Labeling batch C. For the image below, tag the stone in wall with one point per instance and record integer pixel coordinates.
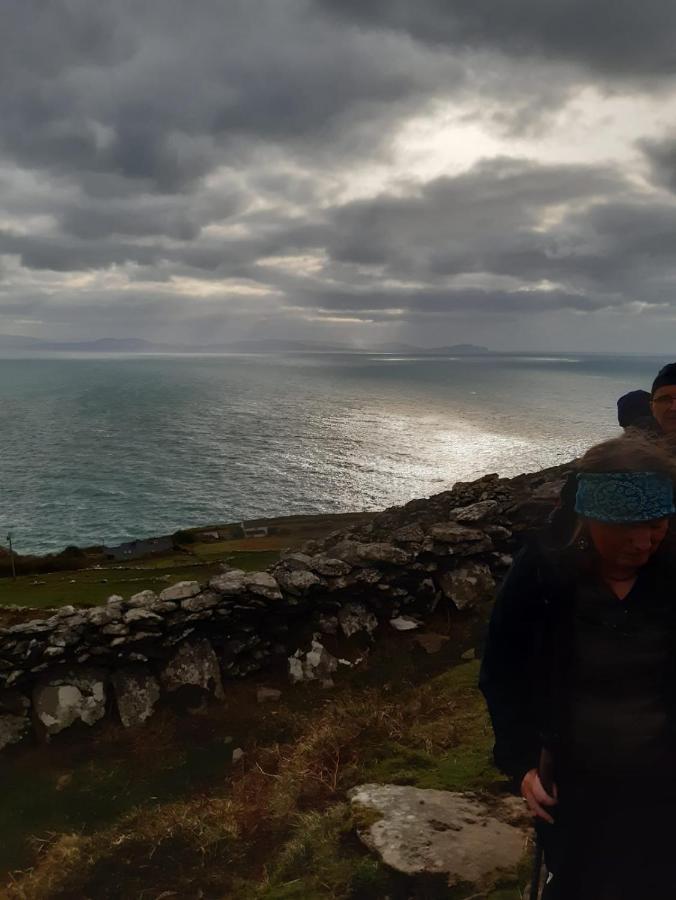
(136, 692)
(354, 618)
(14, 718)
(181, 591)
(61, 700)
(194, 664)
(469, 585)
(316, 664)
(482, 511)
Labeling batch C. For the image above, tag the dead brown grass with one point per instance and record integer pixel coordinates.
(210, 840)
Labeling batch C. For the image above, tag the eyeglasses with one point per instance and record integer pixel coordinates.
(663, 402)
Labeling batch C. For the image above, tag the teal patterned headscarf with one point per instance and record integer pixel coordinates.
(622, 497)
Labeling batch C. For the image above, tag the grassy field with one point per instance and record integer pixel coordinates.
(89, 587)
(163, 811)
(196, 560)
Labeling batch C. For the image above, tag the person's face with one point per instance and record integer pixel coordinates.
(663, 406)
(627, 545)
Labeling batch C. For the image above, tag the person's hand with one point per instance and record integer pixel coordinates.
(536, 796)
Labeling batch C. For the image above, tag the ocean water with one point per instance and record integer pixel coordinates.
(102, 450)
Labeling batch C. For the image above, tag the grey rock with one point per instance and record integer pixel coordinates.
(317, 664)
(367, 576)
(115, 600)
(549, 490)
(498, 533)
(409, 534)
(268, 695)
(230, 584)
(115, 629)
(476, 512)
(263, 584)
(297, 581)
(136, 692)
(450, 533)
(384, 553)
(431, 642)
(355, 617)
(140, 615)
(181, 591)
(296, 561)
(328, 624)
(67, 698)
(194, 663)
(205, 600)
(469, 585)
(143, 599)
(237, 755)
(13, 729)
(404, 623)
(65, 612)
(102, 615)
(329, 567)
(429, 832)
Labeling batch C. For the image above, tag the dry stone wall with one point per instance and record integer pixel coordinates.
(186, 643)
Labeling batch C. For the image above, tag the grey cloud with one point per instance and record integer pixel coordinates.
(615, 39)
(167, 91)
(661, 155)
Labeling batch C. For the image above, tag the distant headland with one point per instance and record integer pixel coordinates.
(19, 343)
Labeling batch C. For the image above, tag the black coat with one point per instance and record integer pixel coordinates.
(528, 650)
(517, 666)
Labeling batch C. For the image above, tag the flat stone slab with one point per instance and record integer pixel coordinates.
(428, 832)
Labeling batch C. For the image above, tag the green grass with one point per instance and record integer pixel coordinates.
(90, 587)
(95, 792)
(162, 809)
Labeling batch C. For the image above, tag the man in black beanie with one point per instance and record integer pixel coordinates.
(663, 399)
(633, 411)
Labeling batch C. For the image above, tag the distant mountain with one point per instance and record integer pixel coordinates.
(10, 342)
(458, 349)
(274, 345)
(103, 345)
(453, 349)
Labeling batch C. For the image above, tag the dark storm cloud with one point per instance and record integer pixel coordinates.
(158, 141)
(532, 237)
(162, 93)
(661, 155)
(612, 37)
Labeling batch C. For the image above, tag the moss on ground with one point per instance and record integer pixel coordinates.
(163, 810)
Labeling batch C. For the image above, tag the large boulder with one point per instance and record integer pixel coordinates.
(67, 698)
(426, 833)
(136, 692)
(193, 665)
(469, 585)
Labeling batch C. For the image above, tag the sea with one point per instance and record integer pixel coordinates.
(101, 450)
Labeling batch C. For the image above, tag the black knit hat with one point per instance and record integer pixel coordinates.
(633, 406)
(665, 376)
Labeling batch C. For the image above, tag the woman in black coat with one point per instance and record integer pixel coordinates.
(580, 660)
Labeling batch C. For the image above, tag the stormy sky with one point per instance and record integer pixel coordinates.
(340, 170)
